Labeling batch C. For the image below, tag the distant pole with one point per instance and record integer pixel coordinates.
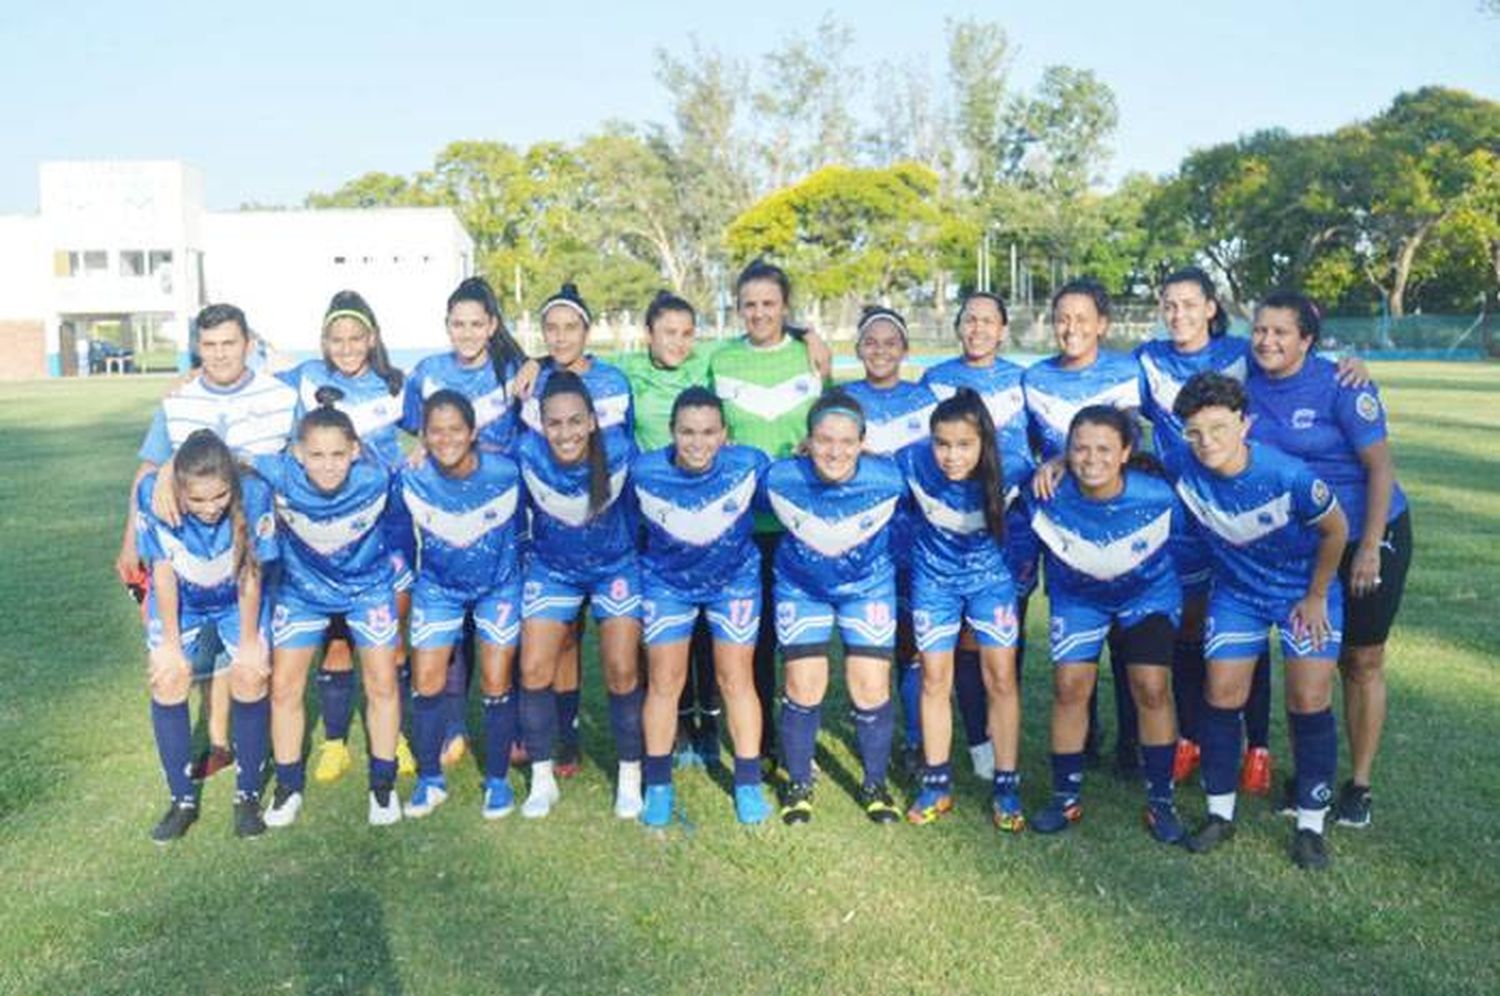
(518, 286)
(1013, 265)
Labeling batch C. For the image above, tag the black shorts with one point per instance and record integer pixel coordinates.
(1367, 620)
(1149, 641)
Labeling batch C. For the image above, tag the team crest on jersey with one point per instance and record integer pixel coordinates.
(532, 591)
(786, 613)
(1366, 407)
(265, 526)
(730, 506)
(1320, 492)
(280, 617)
(1303, 418)
(1059, 628)
(1140, 546)
(921, 620)
(1267, 519)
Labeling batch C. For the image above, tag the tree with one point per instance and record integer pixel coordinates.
(1070, 116)
(803, 103)
(374, 190)
(979, 60)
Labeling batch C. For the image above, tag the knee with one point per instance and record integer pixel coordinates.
(1225, 695)
(733, 681)
(246, 685)
(1363, 665)
(1150, 692)
(170, 688)
(804, 689)
(429, 680)
(937, 679)
(1071, 692)
(1307, 700)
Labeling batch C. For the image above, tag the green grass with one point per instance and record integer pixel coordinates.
(581, 903)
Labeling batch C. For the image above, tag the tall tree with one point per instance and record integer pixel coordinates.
(803, 103)
(979, 60)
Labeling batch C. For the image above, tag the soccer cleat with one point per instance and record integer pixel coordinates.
(1210, 835)
(455, 750)
(878, 805)
(333, 762)
(1185, 761)
(1005, 811)
(428, 794)
(247, 819)
(569, 760)
(180, 815)
(385, 808)
(1255, 772)
(686, 755)
(499, 798)
(1058, 815)
(983, 758)
(796, 803)
(930, 805)
(285, 805)
(406, 761)
(210, 763)
(750, 806)
(543, 797)
(628, 802)
(1353, 806)
(1161, 820)
(1288, 804)
(656, 809)
(1309, 850)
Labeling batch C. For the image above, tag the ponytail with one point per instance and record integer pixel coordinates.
(967, 406)
(350, 304)
(502, 346)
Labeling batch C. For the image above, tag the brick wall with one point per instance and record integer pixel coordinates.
(23, 350)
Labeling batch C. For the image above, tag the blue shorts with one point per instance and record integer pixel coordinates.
(938, 613)
(437, 615)
(1190, 556)
(210, 640)
(804, 624)
(401, 541)
(1237, 630)
(372, 622)
(1023, 550)
(403, 576)
(732, 618)
(1079, 631)
(614, 593)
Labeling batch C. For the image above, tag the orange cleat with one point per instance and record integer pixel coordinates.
(1255, 773)
(1185, 761)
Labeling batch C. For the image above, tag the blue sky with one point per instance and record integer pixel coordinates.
(272, 100)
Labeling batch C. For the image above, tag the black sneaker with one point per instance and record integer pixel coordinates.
(1353, 807)
(1211, 834)
(1288, 804)
(1309, 850)
(878, 804)
(175, 822)
(796, 804)
(247, 819)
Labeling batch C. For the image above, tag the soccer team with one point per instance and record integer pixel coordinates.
(718, 505)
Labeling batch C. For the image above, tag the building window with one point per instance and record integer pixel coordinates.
(158, 260)
(132, 263)
(340, 260)
(95, 263)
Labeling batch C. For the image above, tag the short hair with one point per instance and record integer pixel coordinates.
(215, 315)
(1085, 287)
(1209, 390)
(449, 398)
(1219, 323)
(696, 396)
(761, 270)
(1309, 316)
(982, 296)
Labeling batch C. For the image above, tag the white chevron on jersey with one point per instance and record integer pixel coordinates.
(699, 526)
(570, 510)
(946, 516)
(1002, 405)
(890, 437)
(1058, 412)
(611, 411)
(205, 572)
(487, 407)
(369, 416)
(768, 402)
(1239, 528)
(1104, 561)
(1165, 388)
(461, 529)
(833, 537)
(330, 536)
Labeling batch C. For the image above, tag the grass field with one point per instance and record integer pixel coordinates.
(583, 903)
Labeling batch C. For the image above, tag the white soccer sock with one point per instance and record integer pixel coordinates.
(1311, 819)
(1222, 806)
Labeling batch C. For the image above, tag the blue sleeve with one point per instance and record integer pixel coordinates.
(411, 402)
(271, 468)
(260, 518)
(1360, 416)
(1311, 496)
(147, 548)
(157, 446)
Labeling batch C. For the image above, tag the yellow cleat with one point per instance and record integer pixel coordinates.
(455, 750)
(406, 761)
(333, 762)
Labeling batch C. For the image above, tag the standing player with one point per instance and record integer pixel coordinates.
(206, 614)
(1298, 405)
(1107, 532)
(582, 547)
(960, 578)
(1275, 535)
(331, 501)
(700, 561)
(834, 570)
(981, 325)
(464, 502)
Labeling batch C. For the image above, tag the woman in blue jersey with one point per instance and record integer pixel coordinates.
(960, 579)
(1298, 405)
(583, 536)
(982, 324)
(466, 506)
(331, 500)
(206, 613)
(834, 571)
(1082, 374)
(696, 500)
(482, 367)
(1275, 534)
(896, 416)
(1107, 533)
(371, 392)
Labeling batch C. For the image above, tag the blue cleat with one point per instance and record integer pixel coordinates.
(1058, 815)
(499, 798)
(656, 810)
(1161, 820)
(428, 794)
(750, 805)
(687, 756)
(930, 805)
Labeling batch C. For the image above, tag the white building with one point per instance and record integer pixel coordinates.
(126, 253)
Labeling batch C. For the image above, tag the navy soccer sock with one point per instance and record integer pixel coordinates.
(909, 686)
(1219, 730)
(968, 687)
(538, 722)
(1006, 784)
(746, 771)
(174, 746)
(500, 722)
(1157, 761)
(657, 769)
(427, 722)
(799, 737)
(567, 715)
(1067, 776)
(456, 693)
(336, 701)
(292, 777)
(1315, 751)
(382, 772)
(250, 729)
(1258, 707)
(625, 723)
(938, 777)
(1187, 685)
(874, 730)
(403, 685)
